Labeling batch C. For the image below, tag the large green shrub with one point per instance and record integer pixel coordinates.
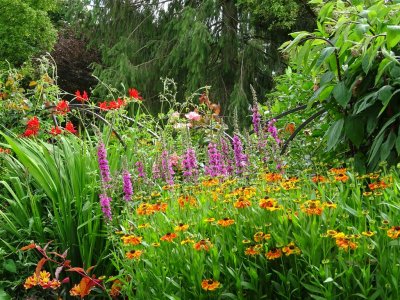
(25, 30)
(354, 55)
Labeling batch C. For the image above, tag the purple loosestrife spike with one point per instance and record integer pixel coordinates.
(241, 159)
(256, 118)
(273, 131)
(103, 164)
(105, 203)
(167, 170)
(190, 165)
(215, 164)
(225, 150)
(156, 170)
(140, 168)
(127, 183)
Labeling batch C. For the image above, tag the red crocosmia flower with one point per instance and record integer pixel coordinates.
(80, 97)
(133, 93)
(112, 104)
(103, 105)
(33, 124)
(62, 107)
(120, 102)
(30, 133)
(70, 127)
(55, 130)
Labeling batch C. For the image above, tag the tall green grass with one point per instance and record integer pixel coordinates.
(51, 193)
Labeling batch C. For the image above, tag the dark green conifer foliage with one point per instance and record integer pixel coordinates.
(226, 44)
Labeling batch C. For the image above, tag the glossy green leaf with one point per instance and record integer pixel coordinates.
(342, 94)
(334, 133)
(393, 35)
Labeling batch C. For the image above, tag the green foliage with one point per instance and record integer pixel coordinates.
(277, 14)
(24, 92)
(357, 47)
(24, 30)
(49, 192)
(197, 43)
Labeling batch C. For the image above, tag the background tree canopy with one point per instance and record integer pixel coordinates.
(25, 29)
(224, 43)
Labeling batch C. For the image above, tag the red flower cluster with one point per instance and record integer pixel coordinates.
(133, 93)
(112, 104)
(81, 97)
(32, 127)
(69, 127)
(62, 107)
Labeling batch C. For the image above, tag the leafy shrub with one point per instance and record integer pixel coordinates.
(355, 55)
(24, 30)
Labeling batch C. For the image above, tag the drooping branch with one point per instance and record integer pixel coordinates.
(298, 129)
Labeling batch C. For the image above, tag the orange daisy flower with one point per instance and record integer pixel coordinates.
(259, 236)
(225, 222)
(269, 204)
(181, 227)
(187, 199)
(133, 254)
(160, 206)
(242, 202)
(341, 177)
(318, 178)
(145, 209)
(312, 207)
(272, 177)
(210, 284)
(345, 244)
(169, 237)
(131, 240)
(273, 254)
(368, 233)
(290, 249)
(394, 232)
(203, 245)
(251, 251)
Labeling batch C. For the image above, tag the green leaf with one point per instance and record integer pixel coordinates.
(334, 133)
(385, 63)
(9, 265)
(394, 243)
(354, 128)
(329, 279)
(313, 288)
(393, 35)
(397, 144)
(325, 53)
(385, 94)
(342, 94)
(387, 146)
(4, 295)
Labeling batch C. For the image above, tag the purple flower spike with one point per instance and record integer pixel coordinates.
(241, 159)
(256, 118)
(190, 164)
(103, 164)
(105, 203)
(140, 168)
(273, 131)
(127, 183)
(215, 164)
(167, 170)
